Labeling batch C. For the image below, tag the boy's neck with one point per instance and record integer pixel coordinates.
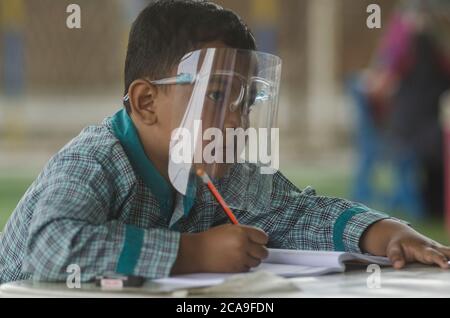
(160, 164)
(159, 161)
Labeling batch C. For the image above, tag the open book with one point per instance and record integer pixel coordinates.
(292, 263)
(286, 263)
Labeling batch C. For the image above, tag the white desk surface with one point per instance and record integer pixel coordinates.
(415, 281)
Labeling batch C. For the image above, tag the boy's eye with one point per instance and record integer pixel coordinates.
(216, 96)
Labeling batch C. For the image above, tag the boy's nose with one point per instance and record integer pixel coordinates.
(233, 119)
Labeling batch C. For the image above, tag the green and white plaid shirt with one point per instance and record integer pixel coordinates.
(100, 204)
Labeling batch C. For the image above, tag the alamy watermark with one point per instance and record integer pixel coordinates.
(73, 280)
(73, 21)
(237, 145)
(374, 279)
(374, 18)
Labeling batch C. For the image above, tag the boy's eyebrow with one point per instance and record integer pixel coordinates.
(215, 75)
(216, 80)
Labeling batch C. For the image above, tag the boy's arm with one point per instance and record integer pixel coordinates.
(302, 220)
(403, 245)
(72, 224)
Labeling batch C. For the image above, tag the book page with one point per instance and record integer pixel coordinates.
(354, 258)
(322, 258)
(287, 271)
(305, 258)
(285, 263)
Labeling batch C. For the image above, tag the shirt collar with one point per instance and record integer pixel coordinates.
(125, 131)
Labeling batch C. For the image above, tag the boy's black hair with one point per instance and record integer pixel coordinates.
(168, 29)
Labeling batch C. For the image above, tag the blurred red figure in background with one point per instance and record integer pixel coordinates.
(411, 72)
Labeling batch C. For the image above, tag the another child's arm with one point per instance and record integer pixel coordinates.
(402, 245)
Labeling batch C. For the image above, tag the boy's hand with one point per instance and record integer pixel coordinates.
(223, 249)
(403, 245)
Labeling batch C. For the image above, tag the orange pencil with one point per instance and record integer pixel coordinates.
(205, 178)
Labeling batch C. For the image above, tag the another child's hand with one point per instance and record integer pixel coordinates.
(223, 249)
(403, 245)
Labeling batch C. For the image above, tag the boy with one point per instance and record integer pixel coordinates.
(105, 203)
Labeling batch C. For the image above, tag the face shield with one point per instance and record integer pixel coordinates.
(224, 117)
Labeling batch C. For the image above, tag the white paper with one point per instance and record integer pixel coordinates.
(284, 263)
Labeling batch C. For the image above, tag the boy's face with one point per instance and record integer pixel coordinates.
(158, 110)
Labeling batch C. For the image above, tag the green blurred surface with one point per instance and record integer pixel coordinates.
(329, 182)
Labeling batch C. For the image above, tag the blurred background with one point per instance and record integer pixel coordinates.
(362, 111)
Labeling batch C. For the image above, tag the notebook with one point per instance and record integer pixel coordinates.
(284, 263)
(294, 263)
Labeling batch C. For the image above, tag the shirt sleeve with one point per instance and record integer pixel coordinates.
(302, 220)
(73, 224)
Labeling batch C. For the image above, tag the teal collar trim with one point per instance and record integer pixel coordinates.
(189, 198)
(125, 132)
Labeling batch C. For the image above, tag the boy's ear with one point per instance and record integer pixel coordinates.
(142, 101)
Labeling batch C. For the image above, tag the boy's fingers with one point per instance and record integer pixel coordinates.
(395, 254)
(257, 236)
(433, 256)
(257, 251)
(244, 269)
(252, 262)
(444, 250)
